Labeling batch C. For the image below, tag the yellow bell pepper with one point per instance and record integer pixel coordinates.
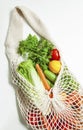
(55, 66)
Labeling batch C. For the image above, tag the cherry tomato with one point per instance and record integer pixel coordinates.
(55, 54)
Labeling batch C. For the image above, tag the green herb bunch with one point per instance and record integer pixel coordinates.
(38, 50)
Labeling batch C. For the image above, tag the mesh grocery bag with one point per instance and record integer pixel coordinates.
(63, 111)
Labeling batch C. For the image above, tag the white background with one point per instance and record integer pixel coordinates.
(64, 20)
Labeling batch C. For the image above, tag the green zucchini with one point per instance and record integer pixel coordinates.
(50, 75)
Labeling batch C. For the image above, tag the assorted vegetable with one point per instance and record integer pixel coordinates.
(42, 76)
(44, 57)
(41, 66)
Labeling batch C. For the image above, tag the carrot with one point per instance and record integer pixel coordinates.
(42, 76)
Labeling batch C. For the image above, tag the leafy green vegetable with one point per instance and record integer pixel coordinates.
(36, 50)
(27, 70)
(27, 45)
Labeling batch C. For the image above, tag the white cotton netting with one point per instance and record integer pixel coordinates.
(65, 110)
(62, 112)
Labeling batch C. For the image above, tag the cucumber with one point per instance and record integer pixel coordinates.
(50, 83)
(50, 75)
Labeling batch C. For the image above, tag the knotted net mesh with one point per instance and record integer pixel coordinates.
(65, 110)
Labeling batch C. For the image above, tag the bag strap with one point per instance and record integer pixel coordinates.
(34, 21)
(15, 32)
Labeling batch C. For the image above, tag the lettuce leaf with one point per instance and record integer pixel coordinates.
(36, 50)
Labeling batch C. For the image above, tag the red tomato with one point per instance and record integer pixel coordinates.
(37, 120)
(51, 118)
(55, 54)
